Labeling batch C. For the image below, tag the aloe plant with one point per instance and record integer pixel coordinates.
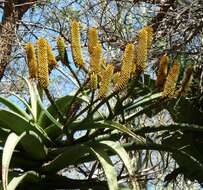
(34, 139)
(35, 142)
(89, 126)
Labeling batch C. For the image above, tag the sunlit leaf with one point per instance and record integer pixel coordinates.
(102, 124)
(19, 124)
(14, 107)
(121, 152)
(107, 166)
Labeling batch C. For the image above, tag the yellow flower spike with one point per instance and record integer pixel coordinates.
(96, 59)
(32, 60)
(149, 31)
(43, 71)
(92, 39)
(126, 67)
(142, 50)
(106, 76)
(162, 72)
(61, 49)
(51, 57)
(187, 79)
(171, 80)
(76, 45)
(134, 64)
(93, 81)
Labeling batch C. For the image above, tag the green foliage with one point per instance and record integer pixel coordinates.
(40, 140)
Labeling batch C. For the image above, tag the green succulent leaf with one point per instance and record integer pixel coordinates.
(33, 99)
(30, 175)
(144, 100)
(63, 104)
(19, 124)
(66, 156)
(32, 145)
(3, 134)
(107, 166)
(28, 107)
(8, 150)
(121, 152)
(49, 116)
(53, 131)
(14, 107)
(85, 125)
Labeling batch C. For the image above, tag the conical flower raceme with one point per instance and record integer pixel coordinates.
(42, 56)
(93, 81)
(92, 39)
(134, 64)
(61, 49)
(149, 31)
(32, 60)
(76, 45)
(145, 37)
(106, 76)
(142, 50)
(186, 81)
(96, 59)
(171, 80)
(126, 67)
(51, 58)
(162, 72)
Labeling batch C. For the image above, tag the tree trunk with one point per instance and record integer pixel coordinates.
(7, 35)
(8, 29)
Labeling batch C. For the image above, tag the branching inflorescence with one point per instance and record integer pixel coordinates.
(171, 81)
(92, 39)
(51, 57)
(126, 67)
(186, 81)
(106, 76)
(142, 49)
(103, 75)
(162, 72)
(76, 44)
(42, 56)
(32, 60)
(61, 49)
(39, 60)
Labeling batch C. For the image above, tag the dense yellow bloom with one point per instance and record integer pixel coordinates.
(149, 31)
(186, 81)
(32, 60)
(171, 80)
(51, 57)
(126, 67)
(43, 71)
(76, 45)
(142, 49)
(106, 76)
(162, 72)
(92, 39)
(61, 49)
(96, 59)
(134, 64)
(93, 81)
